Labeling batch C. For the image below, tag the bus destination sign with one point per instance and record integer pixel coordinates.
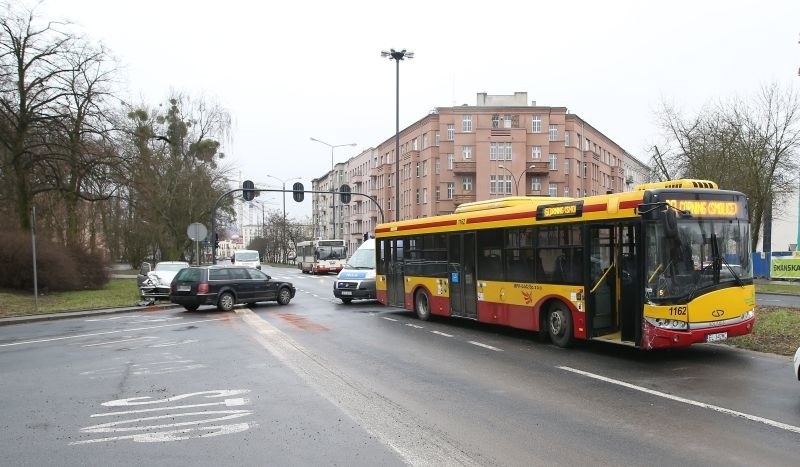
(702, 208)
(560, 210)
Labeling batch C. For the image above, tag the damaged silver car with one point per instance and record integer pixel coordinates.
(154, 284)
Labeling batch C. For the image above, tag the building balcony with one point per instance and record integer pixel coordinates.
(464, 167)
(538, 168)
(463, 198)
(590, 153)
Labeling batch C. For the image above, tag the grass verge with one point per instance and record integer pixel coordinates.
(117, 293)
(778, 288)
(777, 331)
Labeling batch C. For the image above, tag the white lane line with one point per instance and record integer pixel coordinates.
(36, 341)
(442, 333)
(235, 402)
(414, 440)
(389, 319)
(118, 341)
(411, 325)
(485, 346)
(765, 421)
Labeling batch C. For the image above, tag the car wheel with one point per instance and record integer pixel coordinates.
(422, 305)
(191, 307)
(284, 296)
(346, 301)
(226, 301)
(559, 325)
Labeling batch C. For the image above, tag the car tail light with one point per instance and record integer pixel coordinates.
(202, 287)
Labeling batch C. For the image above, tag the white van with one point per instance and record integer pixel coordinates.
(246, 258)
(357, 279)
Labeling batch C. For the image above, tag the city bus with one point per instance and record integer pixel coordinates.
(666, 265)
(321, 256)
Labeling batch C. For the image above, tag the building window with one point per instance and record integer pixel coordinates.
(424, 168)
(418, 196)
(437, 167)
(466, 183)
(451, 188)
(492, 151)
(419, 169)
(553, 162)
(466, 123)
(436, 138)
(450, 160)
(552, 190)
(451, 132)
(438, 193)
(500, 151)
(536, 152)
(492, 184)
(566, 166)
(425, 196)
(536, 184)
(553, 132)
(536, 124)
(424, 140)
(509, 184)
(495, 121)
(508, 151)
(414, 145)
(466, 152)
(566, 190)
(566, 138)
(507, 121)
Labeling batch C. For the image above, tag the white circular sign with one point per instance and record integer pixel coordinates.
(197, 231)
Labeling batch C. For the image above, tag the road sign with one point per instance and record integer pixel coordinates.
(197, 231)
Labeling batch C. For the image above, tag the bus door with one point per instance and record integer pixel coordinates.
(614, 306)
(395, 280)
(601, 297)
(461, 275)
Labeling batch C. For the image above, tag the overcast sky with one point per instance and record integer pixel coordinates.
(288, 71)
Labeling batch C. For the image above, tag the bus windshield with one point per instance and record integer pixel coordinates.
(704, 253)
(331, 252)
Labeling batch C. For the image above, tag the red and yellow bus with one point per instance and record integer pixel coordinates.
(666, 265)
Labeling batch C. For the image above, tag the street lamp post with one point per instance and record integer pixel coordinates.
(333, 188)
(517, 179)
(283, 230)
(397, 55)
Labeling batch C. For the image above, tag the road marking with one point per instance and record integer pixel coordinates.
(235, 402)
(36, 341)
(389, 319)
(118, 341)
(716, 408)
(174, 343)
(485, 346)
(442, 333)
(416, 442)
(412, 325)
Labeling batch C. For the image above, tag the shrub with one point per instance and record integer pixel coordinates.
(57, 269)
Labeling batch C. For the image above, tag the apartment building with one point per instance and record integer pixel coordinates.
(502, 146)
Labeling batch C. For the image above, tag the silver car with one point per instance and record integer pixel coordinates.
(154, 284)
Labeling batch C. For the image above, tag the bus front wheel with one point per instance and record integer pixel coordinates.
(559, 325)
(422, 305)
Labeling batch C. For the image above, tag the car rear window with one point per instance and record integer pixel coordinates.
(189, 275)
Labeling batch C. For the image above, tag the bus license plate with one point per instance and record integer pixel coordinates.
(716, 337)
(347, 292)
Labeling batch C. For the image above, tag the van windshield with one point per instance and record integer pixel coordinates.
(362, 259)
(246, 256)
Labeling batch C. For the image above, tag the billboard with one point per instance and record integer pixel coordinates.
(785, 267)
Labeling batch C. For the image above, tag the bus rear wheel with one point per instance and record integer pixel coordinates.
(559, 325)
(422, 305)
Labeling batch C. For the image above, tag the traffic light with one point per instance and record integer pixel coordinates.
(298, 192)
(344, 193)
(248, 190)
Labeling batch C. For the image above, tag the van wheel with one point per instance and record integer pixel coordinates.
(422, 305)
(226, 301)
(559, 325)
(284, 296)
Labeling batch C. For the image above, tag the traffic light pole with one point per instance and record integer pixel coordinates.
(236, 190)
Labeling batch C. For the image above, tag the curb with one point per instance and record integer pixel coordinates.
(82, 313)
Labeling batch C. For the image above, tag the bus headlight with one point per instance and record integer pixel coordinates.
(748, 315)
(672, 324)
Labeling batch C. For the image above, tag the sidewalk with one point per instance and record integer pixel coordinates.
(80, 313)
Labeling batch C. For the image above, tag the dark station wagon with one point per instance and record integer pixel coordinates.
(224, 287)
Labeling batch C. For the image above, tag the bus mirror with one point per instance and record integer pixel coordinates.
(670, 223)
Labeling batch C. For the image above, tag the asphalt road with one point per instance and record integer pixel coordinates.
(318, 382)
